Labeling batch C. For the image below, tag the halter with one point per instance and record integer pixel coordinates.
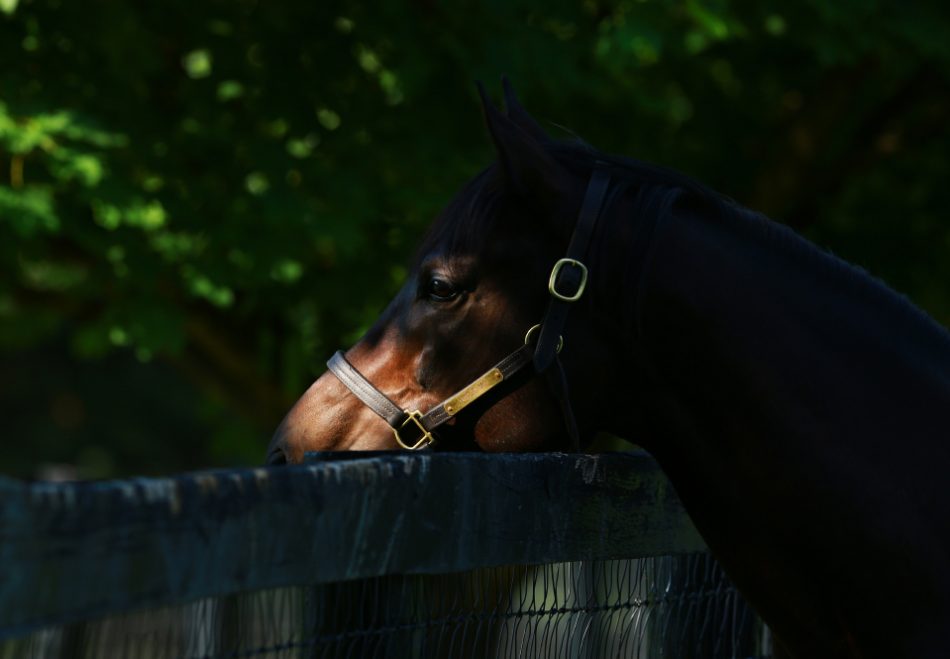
(566, 284)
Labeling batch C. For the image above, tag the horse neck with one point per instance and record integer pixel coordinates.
(798, 406)
(756, 337)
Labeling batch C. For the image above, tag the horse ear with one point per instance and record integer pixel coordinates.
(520, 116)
(529, 170)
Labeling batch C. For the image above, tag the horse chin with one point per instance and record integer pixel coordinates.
(450, 437)
(372, 442)
(294, 452)
(509, 434)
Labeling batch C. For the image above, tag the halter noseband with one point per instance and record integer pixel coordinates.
(565, 285)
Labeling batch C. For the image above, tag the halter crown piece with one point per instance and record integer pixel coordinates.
(413, 429)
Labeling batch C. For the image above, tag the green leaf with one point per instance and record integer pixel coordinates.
(328, 118)
(197, 63)
(48, 275)
(229, 90)
(29, 210)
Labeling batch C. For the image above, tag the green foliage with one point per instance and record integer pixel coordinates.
(232, 190)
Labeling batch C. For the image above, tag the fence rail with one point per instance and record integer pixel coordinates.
(294, 536)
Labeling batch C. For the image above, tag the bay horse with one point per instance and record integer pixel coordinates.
(799, 406)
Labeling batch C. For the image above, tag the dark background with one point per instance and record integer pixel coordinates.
(200, 201)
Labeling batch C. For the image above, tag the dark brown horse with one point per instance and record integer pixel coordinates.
(799, 406)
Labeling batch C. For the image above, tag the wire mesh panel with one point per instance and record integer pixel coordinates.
(672, 606)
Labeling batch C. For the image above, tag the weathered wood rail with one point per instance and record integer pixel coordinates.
(72, 552)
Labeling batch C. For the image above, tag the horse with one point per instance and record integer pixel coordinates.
(799, 406)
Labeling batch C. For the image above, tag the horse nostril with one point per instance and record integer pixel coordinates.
(276, 456)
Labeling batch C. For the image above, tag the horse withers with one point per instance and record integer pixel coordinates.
(799, 406)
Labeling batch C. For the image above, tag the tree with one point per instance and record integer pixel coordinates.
(225, 193)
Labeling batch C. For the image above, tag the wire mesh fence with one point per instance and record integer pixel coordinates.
(389, 556)
(673, 606)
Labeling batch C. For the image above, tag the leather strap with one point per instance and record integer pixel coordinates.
(507, 367)
(568, 279)
(392, 414)
(363, 389)
(557, 383)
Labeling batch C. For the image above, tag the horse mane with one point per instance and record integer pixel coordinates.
(660, 188)
(470, 216)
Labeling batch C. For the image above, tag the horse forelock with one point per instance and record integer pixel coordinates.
(468, 219)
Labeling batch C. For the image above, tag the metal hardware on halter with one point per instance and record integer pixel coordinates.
(568, 272)
(536, 328)
(423, 441)
(421, 424)
(473, 392)
(556, 270)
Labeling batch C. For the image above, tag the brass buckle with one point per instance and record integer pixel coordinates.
(556, 270)
(425, 440)
(537, 328)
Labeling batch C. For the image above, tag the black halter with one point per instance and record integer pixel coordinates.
(566, 285)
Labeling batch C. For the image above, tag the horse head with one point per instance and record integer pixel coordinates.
(478, 284)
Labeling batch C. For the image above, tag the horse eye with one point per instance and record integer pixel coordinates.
(440, 290)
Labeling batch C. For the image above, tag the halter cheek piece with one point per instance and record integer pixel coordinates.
(413, 430)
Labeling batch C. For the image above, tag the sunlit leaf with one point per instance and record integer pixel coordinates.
(256, 183)
(197, 63)
(47, 275)
(29, 211)
(328, 118)
(229, 90)
(775, 25)
(344, 25)
(287, 271)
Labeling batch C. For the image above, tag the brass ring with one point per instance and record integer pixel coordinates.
(537, 328)
(425, 440)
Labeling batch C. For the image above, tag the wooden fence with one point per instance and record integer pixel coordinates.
(78, 555)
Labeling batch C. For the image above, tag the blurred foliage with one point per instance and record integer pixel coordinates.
(200, 201)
